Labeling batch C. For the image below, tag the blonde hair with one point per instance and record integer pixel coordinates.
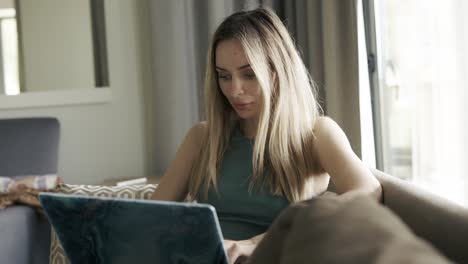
(283, 140)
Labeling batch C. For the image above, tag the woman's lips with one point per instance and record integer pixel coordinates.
(243, 106)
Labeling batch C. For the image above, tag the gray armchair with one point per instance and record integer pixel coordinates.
(28, 146)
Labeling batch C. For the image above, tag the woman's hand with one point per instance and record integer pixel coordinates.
(239, 251)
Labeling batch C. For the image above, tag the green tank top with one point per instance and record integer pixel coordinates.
(241, 214)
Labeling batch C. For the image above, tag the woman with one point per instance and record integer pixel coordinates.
(264, 144)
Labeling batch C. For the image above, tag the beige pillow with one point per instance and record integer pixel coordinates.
(331, 229)
(57, 255)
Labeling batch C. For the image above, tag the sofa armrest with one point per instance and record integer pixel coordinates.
(433, 218)
(25, 236)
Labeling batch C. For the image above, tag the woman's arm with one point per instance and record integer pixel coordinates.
(347, 171)
(257, 239)
(173, 186)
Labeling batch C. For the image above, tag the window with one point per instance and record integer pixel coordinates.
(420, 91)
(9, 51)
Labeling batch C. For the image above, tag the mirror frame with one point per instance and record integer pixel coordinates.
(56, 98)
(101, 93)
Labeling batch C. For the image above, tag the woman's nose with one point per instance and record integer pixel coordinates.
(237, 87)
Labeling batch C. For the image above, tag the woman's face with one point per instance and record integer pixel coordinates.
(237, 80)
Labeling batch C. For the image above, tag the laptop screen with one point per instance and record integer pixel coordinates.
(110, 230)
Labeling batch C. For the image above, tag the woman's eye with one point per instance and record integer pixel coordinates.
(224, 77)
(250, 76)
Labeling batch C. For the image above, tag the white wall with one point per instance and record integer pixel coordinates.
(56, 34)
(7, 4)
(106, 141)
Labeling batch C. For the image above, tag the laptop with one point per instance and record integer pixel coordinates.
(112, 230)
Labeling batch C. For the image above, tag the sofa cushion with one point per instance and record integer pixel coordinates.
(441, 222)
(57, 255)
(21, 227)
(337, 230)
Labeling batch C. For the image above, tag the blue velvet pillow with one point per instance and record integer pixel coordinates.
(57, 255)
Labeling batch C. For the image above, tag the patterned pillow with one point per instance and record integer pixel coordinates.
(57, 255)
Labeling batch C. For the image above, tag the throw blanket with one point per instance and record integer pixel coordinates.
(25, 189)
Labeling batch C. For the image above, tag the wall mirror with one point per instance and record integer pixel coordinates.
(52, 45)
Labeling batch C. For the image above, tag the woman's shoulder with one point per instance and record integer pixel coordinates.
(321, 141)
(327, 130)
(194, 138)
(199, 130)
(324, 124)
(329, 138)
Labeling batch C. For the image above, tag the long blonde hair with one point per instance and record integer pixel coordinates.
(283, 141)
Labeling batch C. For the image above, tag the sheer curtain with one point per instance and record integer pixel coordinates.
(425, 46)
(440, 156)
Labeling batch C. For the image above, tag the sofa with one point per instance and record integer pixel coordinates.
(442, 223)
(25, 236)
(28, 146)
(412, 227)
